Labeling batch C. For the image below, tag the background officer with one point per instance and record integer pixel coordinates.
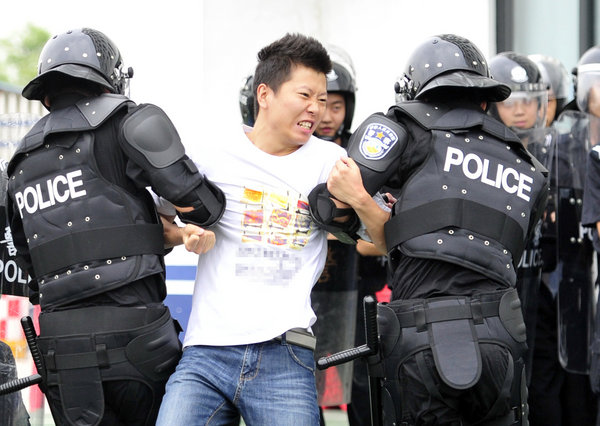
(525, 111)
(453, 335)
(86, 230)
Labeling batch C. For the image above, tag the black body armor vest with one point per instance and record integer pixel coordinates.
(472, 200)
(85, 234)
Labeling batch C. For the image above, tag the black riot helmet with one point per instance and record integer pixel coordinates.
(556, 75)
(246, 100)
(524, 78)
(342, 80)
(448, 66)
(588, 76)
(81, 54)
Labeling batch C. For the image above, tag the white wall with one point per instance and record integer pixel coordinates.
(190, 56)
(378, 34)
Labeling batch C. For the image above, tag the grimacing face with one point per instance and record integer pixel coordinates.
(298, 106)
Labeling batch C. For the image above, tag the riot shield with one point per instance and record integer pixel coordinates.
(541, 144)
(334, 300)
(574, 271)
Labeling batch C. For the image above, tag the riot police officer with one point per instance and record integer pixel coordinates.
(246, 101)
(525, 108)
(346, 276)
(588, 102)
(334, 297)
(560, 91)
(341, 98)
(86, 229)
(556, 395)
(452, 337)
(525, 111)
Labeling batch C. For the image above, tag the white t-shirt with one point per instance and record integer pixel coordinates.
(255, 283)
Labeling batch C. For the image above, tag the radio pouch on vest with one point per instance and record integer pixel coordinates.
(454, 346)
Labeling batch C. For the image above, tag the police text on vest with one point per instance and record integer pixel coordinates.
(56, 190)
(477, 168)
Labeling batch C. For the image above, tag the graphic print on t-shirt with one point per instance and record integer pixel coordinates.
(277, 221)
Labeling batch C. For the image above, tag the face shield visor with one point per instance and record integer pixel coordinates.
(523, 110)
(588, 89)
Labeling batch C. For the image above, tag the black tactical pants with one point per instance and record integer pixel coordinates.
(107, 365)
(445, 405)
(126, 402)
(556, 397)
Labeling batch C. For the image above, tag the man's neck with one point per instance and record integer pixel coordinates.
(269, 141)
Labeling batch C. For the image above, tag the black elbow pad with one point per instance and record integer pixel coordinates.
(324, 212)
(208, 202)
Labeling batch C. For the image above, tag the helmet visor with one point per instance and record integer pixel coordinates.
(524, 110)
(488, 88)
(588, 88)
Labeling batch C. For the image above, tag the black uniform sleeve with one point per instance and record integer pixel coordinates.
(376, 146)
(591, 193)
(150, 140)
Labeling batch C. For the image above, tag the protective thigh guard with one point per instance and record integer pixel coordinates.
(83, 348)
(452, 328)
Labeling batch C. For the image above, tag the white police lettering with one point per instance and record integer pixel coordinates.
(476, 168)
(8, 242)
(12, 273)
(531, 258)
(56, 190)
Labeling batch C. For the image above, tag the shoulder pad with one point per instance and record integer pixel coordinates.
(96, 110)
(34, 137)
(438, 116)
(425, 114)
(150, 131)
(377, 142)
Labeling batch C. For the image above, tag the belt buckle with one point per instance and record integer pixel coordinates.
(299, 337)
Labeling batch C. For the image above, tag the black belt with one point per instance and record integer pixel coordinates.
(427, 314)
(420, 312)
(299, 337)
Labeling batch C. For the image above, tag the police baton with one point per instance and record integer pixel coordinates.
(18, 384)
(364, 351)
(370, 348)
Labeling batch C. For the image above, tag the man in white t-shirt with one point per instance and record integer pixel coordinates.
(249, 345)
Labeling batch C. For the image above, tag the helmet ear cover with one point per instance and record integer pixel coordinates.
(246, 101)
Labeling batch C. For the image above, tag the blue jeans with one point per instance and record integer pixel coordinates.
(267, 383)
